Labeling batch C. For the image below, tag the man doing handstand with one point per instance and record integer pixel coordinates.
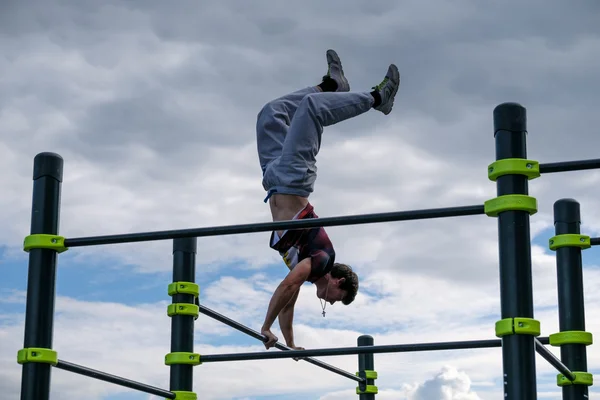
(288, 139)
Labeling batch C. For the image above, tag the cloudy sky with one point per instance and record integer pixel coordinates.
(153, 106)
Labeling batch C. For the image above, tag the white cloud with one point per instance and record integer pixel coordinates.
(449, 384)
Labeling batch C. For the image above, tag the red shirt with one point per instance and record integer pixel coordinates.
(298, 244)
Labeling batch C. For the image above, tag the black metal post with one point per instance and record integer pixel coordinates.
(516, 291)
(366, 368)
(117, 380)
(41, 280)
(182, 326)
(571, 311)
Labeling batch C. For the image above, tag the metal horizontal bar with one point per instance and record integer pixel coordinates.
(252, 333)
(553, 360)
(341, 351)
(565, 166)
(278, 225)
(103, 376)
(594, 241)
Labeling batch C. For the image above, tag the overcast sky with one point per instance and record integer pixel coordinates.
(153, 107)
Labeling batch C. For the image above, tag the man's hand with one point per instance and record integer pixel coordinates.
(271, 338)
(286, 290)
(296, 348)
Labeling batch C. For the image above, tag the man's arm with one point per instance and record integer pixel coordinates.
(282, 296)
(286, 318)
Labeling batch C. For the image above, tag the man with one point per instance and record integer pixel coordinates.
(288, 139)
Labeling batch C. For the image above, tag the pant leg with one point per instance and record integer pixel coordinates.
(273, 122)
(295, 170)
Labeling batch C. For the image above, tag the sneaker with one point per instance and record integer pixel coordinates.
(336, 72)
(387, 89)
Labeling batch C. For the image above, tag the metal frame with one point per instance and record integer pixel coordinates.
(571, 311)
(516, 292)
(516, 297)
(254, 334)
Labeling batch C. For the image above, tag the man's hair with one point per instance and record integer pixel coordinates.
(350, 284)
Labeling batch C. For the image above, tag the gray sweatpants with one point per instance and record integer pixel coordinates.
(288, 133)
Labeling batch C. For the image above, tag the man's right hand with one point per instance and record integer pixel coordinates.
(297, 348)
(271, 338)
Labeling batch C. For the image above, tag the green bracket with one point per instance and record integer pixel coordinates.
(183, 309)
(367, 374)
(182, 358)
(369, 389)
(179, 395)
(570, 240)
(514, 166)
(571, 337)
(42, 241)
(37, 355)
(510, 202)
(581, 378)
(184, 288)
(517, 326)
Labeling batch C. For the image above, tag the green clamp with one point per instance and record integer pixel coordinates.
(510, 202)
(364, 388)
(183, 309)
(514, 166)
(571, 337)
(369, 389)
(182, 358)
(367, 374)
(180, 395)
(517, 326)
(37, 355)
(570, 240)
(581, 378)
(184, 288)
(43, 241)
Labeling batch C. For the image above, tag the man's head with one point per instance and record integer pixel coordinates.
(341, 286)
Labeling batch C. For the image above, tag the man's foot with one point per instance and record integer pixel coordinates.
(336, 72)
(387, 90)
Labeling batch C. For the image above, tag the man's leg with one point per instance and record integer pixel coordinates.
(296, 168)
(274, 119)
(273, 122)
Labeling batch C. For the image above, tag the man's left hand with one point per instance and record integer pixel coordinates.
(271, 338)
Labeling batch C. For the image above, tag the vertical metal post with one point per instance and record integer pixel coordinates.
(571, 312)
(41, 279)
(366, 369)
(516, 292)
(182, 326)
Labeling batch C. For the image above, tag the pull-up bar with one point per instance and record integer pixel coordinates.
(343, 351)
(553, 360)
(278, 225)
(315, 223)
(117, 380)
(566, 166)
(251, 332)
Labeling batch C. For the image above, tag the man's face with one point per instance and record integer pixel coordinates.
(333, 293)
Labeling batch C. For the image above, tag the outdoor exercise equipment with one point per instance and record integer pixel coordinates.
(517, 330)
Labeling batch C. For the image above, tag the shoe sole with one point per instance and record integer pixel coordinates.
(395, 78)
(333, 58)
